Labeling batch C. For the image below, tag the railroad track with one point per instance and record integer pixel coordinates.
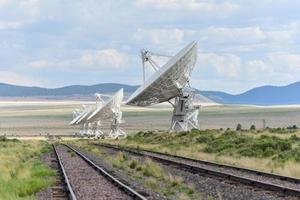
(267, 181)
(67, 187)
(87, 180)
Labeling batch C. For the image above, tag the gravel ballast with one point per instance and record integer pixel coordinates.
(131, 182)
(86, 182)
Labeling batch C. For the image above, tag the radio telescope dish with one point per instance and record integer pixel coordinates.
(167, 82)
(111, 109)
(81, 120)
(78, 115)
(170, 81)
(84, 117)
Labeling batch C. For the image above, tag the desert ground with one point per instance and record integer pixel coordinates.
(53, 117)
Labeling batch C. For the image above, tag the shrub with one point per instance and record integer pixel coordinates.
(295, 127)
(252, 128)
(294, 138)
(232, 143)
(239, 127)
(205, 137)
(133, 164)
(3, 138)
(289, 129)
(292, 127)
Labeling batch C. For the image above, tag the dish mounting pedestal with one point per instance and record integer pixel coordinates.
(97, 131)
(115, 131)
(185, 114)
(83, 129)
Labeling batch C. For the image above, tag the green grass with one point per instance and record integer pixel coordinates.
(271, 150)
(234, 143)
(289, 129)
(155, 177)
(22, 174)
(231, 143)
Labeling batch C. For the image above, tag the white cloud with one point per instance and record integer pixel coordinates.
(242, 74)
(225, 65)
(10, 25)
(254, 68)
(285, 61)
(105, 58)
(249, 39)
(15, 78)
(3, 3)
(39, 64)
(93, 59)
(189, 5)
(233, 35)
(161, 36)
(223, 39)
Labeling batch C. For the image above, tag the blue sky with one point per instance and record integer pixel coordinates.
(241, 44)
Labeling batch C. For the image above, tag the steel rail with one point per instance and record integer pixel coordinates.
(110, 177)
(214, 173)
(71, 194)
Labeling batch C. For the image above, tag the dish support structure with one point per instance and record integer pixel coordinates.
(185, 114)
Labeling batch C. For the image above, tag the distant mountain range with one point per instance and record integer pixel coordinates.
(7, 90)
(265, 95)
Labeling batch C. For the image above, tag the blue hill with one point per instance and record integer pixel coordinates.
(7, 90)
(265, 95)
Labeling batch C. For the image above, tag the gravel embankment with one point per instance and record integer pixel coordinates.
(87, 183)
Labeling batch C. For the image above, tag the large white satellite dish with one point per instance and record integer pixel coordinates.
(166, 83)
(170, 81)
(111, 109)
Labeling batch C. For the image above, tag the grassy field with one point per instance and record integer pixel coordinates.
(271, 150)
(53, 117)
(22, 174)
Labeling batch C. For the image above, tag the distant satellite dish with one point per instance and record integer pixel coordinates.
(91, 127)
(84, 117)
(79, 114)
(81, 119)
(111, 109)
(168, 82)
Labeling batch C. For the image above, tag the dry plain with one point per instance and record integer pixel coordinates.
(53, 117)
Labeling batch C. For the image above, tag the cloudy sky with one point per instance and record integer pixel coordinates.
(241, 43)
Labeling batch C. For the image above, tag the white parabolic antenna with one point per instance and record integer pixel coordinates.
(81, 119)
(168, 82)
(84, 117)
(79, 115)
(111, 109)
